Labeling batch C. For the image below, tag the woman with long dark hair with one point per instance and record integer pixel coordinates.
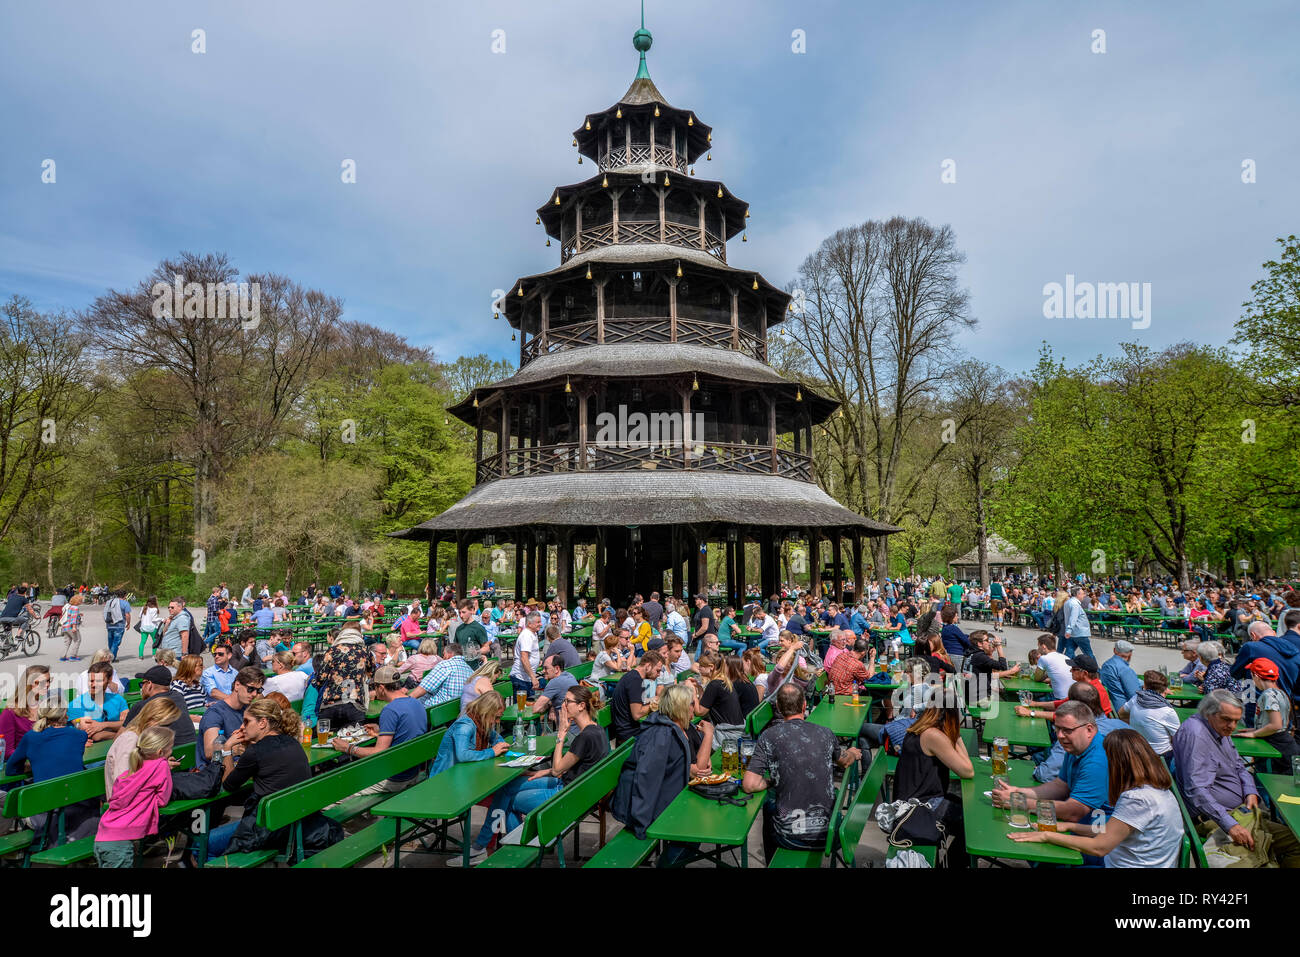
(930, 753)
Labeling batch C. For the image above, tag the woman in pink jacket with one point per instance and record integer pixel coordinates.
(137, 797)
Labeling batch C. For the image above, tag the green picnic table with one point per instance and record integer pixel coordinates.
(1017, 685)
(1276, 786)
(97, 751)
(987, 828)
(842, 716)
(692, 819)
(1005, 723)
(1187, 692)
(447, 798)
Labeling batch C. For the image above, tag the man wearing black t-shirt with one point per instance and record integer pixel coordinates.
(703, 622)
(628, 703)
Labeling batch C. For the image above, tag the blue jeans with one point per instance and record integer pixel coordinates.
(731, 644)
(219, 839)
(511, 803)
(115, 633)
(1069, 642)
(521, 685)
(1040, 619)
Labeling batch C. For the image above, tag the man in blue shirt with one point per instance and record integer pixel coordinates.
(402, 719)
(264, 617)
(859, 622)
(226, 716)
(1118, 677)
(218, 679)
(302, 658)
(97, 713)
(955, 641)
(1083, 785)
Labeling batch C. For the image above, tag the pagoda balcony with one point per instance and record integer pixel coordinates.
(592, 457)
(648, 232)
(656, 329)
(642, 154)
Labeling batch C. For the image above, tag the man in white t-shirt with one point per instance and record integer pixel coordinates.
(765, 623)
(1151, 716)
(1054, 665)
(523, 673)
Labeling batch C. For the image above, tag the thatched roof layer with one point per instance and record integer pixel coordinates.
(645, 497)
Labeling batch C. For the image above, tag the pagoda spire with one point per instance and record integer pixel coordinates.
(642, 41)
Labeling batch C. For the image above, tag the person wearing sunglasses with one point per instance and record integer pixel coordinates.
(271, 757)
(226, 717)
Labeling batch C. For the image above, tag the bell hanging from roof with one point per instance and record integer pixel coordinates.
(512, 337)
(656, 109)
(618, 114)
(747, 212)
(755, 286)
(692, 170)
(579, 159)
(605, 182)
(575, 141)
(548, 240)
(476, 402)
(495, 314)
(710, 156)
(744, 238)
(695, 383)
(798, 394)
(567, 387)
(557, 199)
(588, 272)
(679, 270)
(710, 136)
(690, 120)
(589, 122)
(665, 179)
(521, 289)
(539, 220)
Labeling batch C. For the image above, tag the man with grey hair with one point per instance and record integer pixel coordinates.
(1117, 675)
(1193, 670)
(1215, 781)
(1283, 650)
(523, 673)
(1076, 630)
(1084, 781)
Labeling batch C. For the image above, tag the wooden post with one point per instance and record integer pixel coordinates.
(687, 438)
(627, 156)
(859, 591)
(503, 444)
(674, 561)
(771, 429)
(577, 227)
(672, 308)
(652, 142)
(600, 311)
(704, 244)
(735, 318)
(762, 329)
(837, 566)
(616, 194)
(546, 321)
(462, 566)
(693, 564)
(433, 566)
(582, 429)
(519, 564)
(729, 562)
(564, 568)
(766, 573)
(663, 225)
(815, 563)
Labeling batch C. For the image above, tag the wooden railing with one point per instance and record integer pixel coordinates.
(704, 457)
(642, 329)
(641, 232)
(641, 155)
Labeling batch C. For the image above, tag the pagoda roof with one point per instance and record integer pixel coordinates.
(642, 94)
(1000, 552)
(645, 497)
(638, 360)
(643, 254)
(735, 207)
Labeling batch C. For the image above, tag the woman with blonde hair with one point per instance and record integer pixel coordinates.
(474, 737)
(188, 681)
(158, 711)
(18, 718)
(425, 657)
(479, 683)
(756, 668)
(143, 788)
(115, 683)
(70, 628)
(287, 680)
(167, 658)
(271, 757)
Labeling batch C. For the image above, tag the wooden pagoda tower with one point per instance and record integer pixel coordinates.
(644, 418)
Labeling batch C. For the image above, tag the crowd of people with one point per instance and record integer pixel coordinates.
(1118, 747)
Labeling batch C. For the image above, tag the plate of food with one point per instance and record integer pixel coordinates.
(710, 779)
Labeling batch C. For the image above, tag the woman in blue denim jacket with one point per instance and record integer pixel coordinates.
(473, 737)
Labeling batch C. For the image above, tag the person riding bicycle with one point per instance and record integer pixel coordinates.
(18, 610)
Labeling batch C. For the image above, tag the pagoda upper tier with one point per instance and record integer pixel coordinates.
(642, 131)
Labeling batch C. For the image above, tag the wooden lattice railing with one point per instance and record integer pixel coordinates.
(704, 456)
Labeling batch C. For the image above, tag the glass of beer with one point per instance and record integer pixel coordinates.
(1047, 815)
(1000, 751)
(521, 701)
(730, 759)
(746, 751)
(322, 731)
(1018, 816)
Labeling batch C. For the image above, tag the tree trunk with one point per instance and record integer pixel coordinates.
(981, 531)
(49, 557)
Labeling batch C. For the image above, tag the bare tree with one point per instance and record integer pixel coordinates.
(883, 307)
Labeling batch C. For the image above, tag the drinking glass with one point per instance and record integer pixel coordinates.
(1047, 815)
(521, 701)
(1026, 697)
(322, 731)
(1295, 770)
(746, 751)
(1018, 815)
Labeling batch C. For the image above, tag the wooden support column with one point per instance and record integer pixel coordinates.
(503, 430)
(837, 566)
(462, 566)
(614, 198)
(729, 565)
(600, 310)
(771, 430)
(546, 322)
(687, 439)
(702, 572)
(814, 563)
(478, 445)
(859, 589)
(600, 565)
(652, 142)
(704, 244)
(663, 225)
(762, 329)
(672, 308)
(735, 318)
(582, 429)
(627, 156)
(564, 569)
(432, 582)
(519, 564)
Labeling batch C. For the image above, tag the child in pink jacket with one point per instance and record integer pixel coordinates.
(137, 797)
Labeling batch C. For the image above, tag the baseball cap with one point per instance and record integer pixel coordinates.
(387, 675)
(157, 675)
(1085, 662)
(1123, 647)
(1264, 668)
(655, 644)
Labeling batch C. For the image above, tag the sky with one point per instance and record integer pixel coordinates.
(1122, 166)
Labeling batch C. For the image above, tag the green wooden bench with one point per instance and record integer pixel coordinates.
(787, 858)
(583, 670)
(625, 849)
(547, 826)
(335, 793)
(1192, 844)
(858, 813)
(758, 719)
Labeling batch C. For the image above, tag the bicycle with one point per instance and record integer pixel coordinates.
(28, 640)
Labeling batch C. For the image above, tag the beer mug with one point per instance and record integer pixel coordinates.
(746, 752)
(322, 731)
(1000, 751)
(1018, 815)
(521, 701)
(1026, 697)
(1047, 815)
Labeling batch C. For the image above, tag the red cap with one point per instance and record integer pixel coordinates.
(1264, 668)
